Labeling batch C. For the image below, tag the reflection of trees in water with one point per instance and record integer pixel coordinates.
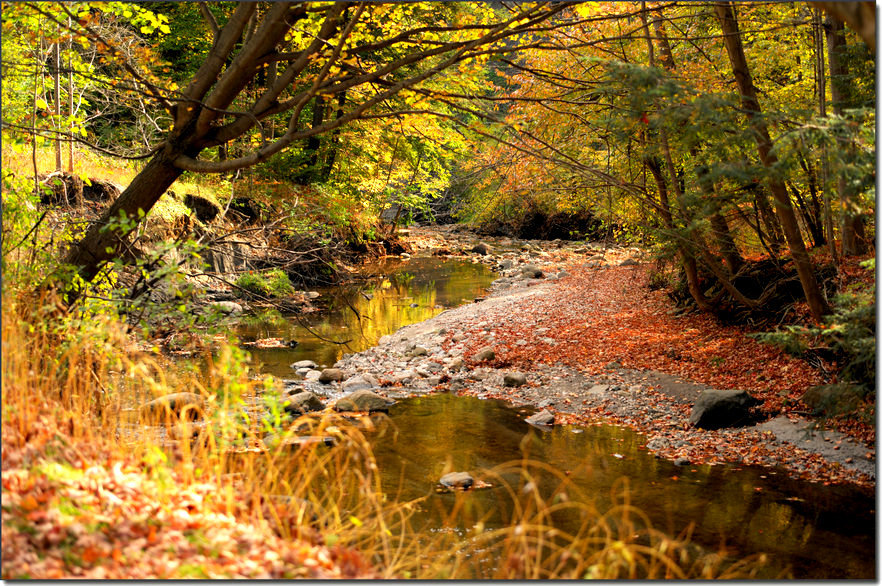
(365, 312)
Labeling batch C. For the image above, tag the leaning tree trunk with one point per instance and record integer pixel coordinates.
(106, 238)
(732, 37)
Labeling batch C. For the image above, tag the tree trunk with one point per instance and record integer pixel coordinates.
(817, 304)
(852, 222)
(106, 239)
(56, 78)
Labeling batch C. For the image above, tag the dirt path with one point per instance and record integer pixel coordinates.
(595, 345)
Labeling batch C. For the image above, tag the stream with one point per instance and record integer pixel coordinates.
(814, 530)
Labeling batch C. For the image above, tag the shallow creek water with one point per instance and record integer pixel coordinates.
(401, 293)
(817, 531)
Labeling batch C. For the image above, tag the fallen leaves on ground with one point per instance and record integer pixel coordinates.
(105, 518)
(599, 317)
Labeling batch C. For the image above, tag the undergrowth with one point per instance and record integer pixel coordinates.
(73, 391)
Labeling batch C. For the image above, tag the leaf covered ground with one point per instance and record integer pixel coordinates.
(599, 321)
(76, 511)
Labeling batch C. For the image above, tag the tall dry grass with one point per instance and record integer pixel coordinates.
(83, 377)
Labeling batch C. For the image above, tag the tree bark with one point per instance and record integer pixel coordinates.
(106, 239)
(852, 222)
(732, 37)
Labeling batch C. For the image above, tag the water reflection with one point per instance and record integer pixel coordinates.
(817, 531)
(399, 294)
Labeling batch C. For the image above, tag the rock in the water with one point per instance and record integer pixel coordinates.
(716, 409)
(544, 417)
(832, 399)
(228, 307)
(462, 480)
(363, 401)
(302, 402)
(330, 375)
(514, 379)
(485, 353)
(312, 375)
(531, 272)
(357, 383)
(186, 405)
(482, 248)
(304, 364)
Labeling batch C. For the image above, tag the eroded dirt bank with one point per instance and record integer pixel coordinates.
(595, 345)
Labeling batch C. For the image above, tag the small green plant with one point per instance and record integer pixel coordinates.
(272, 283)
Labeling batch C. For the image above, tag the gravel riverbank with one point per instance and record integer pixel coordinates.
(471, 349)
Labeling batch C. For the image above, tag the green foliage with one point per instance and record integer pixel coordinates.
(849, 332)
(272, 283)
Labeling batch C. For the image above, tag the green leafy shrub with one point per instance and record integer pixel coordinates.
(272, 283)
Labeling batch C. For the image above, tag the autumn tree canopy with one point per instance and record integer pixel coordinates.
(715, 132)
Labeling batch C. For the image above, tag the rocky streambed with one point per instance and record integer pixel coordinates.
(454, 352)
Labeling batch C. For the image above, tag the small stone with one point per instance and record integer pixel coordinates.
(461, 480)
(418, 351)
(458, 337)
(531, 272)
(357, 383)
(228, 307)
(175, 404)
(303, 371)
(628, 262)
(312, 375)
(313, 295)
(485, 353)
(363, 401)
(455, 364)
(544, 417)
(330, 375)
(302, 402)
(481, 248)
(682, 462)
(514, 379)
(304, 364)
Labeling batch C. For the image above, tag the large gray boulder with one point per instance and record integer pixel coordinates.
(363, 401)
(716, 409)
(832, 399)
(302, 402)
